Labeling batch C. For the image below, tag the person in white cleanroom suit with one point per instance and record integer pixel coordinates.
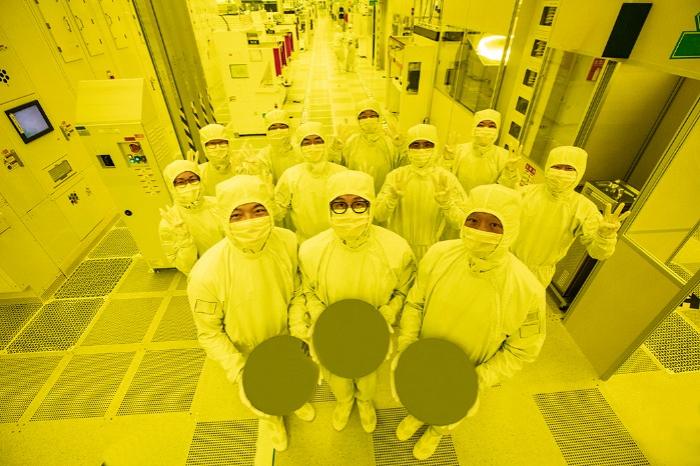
(370, 150)
(246, 288)
(481, 161)
(301, 188)
(418, 199)
(339, 47)
(189, 227)
(219, 166)
(355, 260)
(222, 163)
(476, 294)
(350, 52)
(554, 216)
(280, 154)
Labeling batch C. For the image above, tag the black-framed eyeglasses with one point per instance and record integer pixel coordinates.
(180, 182)
(340, 207)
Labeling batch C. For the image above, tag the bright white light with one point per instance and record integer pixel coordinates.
(491, 48)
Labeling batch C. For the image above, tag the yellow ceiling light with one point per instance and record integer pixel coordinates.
(491, 48)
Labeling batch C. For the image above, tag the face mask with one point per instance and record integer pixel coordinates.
(313, 153)
(350, 226)
(485, 136)
(479, 243)
(560, 180)
(187, 195)
(278, 136)
(253, 233)
(217, 155)
(369, 125)
(420, 157)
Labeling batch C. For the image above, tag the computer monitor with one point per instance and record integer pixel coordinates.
(29, 120)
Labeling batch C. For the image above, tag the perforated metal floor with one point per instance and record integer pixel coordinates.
(638, 362)
(676, 344)
(123, 321)
(85, 388)
(20, 381)
(140, 279)
(587, 430)
(117, 243)
(177, 323)
(164, 383)
(96, 277)
(13, 317)
(322, 393)
(224, 443)
(58, 326)
(389, 451)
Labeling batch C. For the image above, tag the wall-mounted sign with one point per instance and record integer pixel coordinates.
(688, 45)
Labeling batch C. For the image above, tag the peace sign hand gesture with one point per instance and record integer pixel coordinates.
(612, 221)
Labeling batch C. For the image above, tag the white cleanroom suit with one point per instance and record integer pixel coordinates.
(355, 260)
(554, 215)
(190, 226)
(417, 200)
(301, 188)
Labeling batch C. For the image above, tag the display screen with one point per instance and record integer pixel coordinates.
(29, 120)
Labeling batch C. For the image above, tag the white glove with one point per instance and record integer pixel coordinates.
(397, 138)
(192, 156)
(442, 190)
(398, 189)
(312, 352)
(514, 156)
(451, 145)
(250, 163)
(612, 221)
(343, 133)
(172, 216)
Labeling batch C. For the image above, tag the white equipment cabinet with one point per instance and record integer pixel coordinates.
(117, 122)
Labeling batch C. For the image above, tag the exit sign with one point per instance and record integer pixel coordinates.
(688, 45)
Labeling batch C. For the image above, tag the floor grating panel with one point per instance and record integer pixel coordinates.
(177, 323)
(123, 321)
(638, 362)
(164, 383)
(96, 277)
(140, 278)
(116, 243)
(57, 327)
(13, 317)
(224, 443)
(20, 381)
(586, 429)
(322, 393)
(182, 284)
(389, 451)
(676, 344)
(85, 388)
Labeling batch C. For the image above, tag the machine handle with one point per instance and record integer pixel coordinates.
(79, 21)
(67, 24)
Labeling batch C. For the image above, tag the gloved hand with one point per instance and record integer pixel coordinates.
(451, 145)
(514, 156)
(612, 221)
(367, 168)
(246, 402)
(250, 163)
(309, 341)
(397, 138)
(398, 189)
(475, 407)
(192, 156)
(343, 133)
(235, 371)
(392, 377)
(172, 216)
(442, 190)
